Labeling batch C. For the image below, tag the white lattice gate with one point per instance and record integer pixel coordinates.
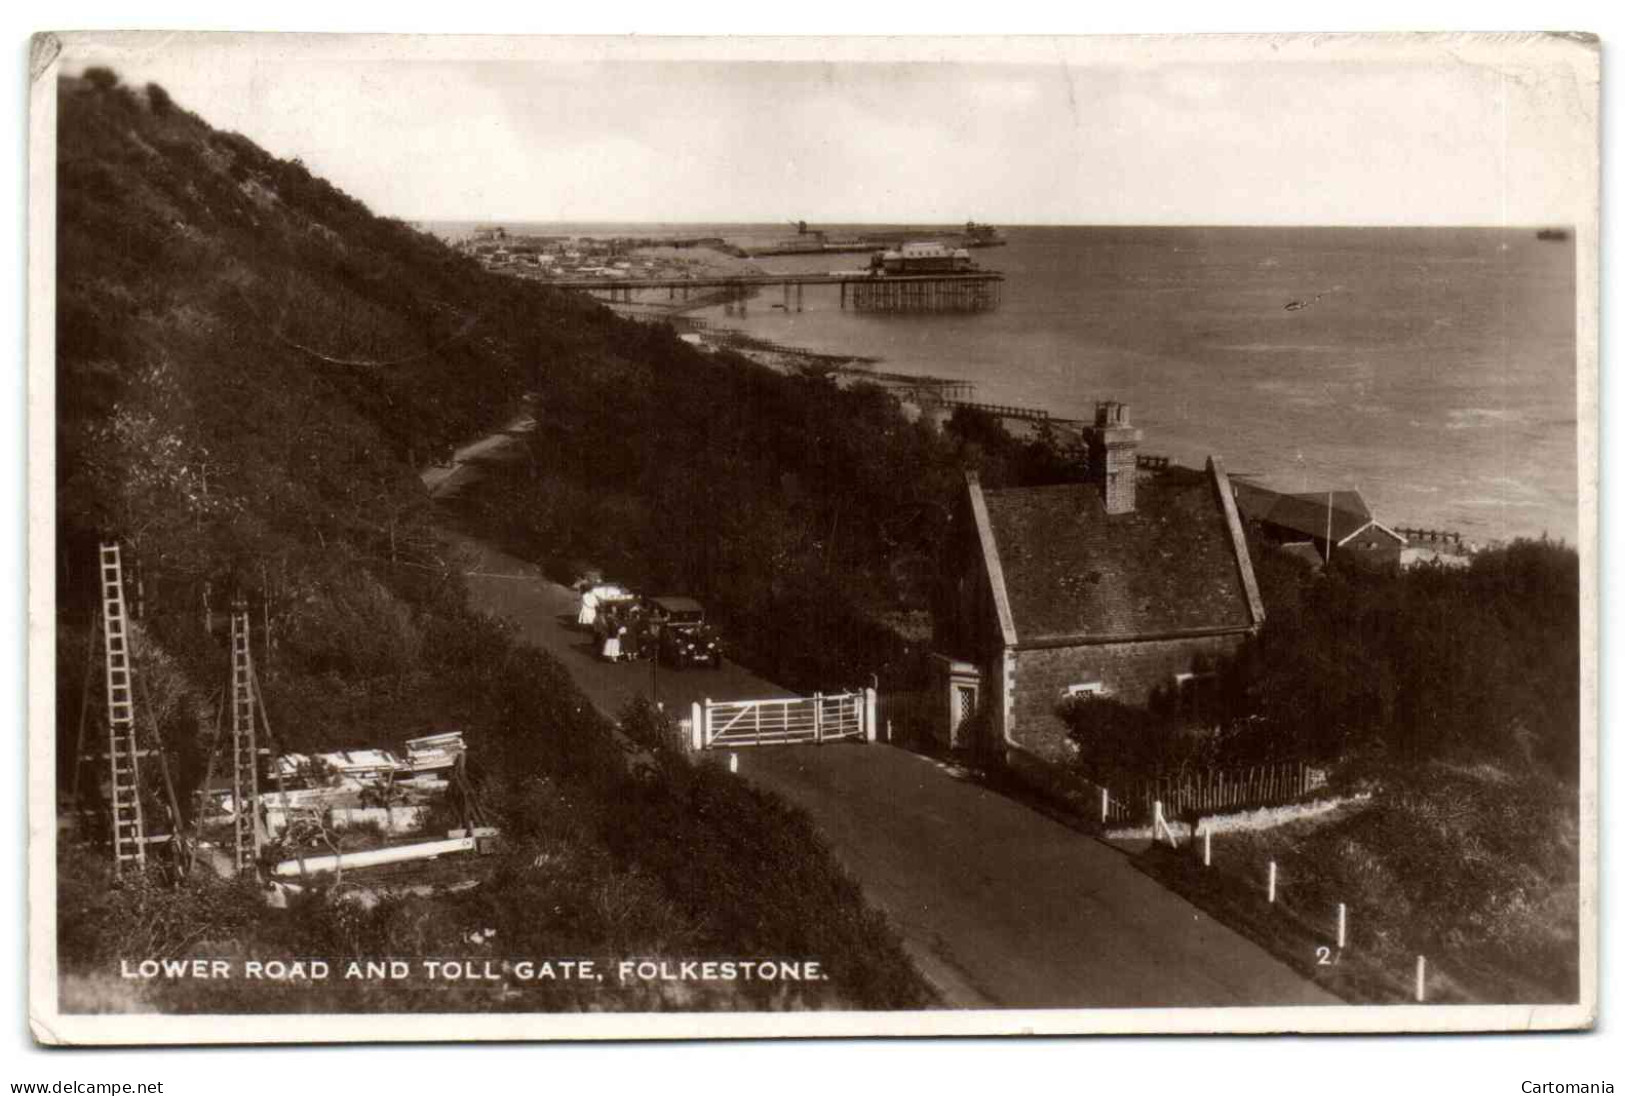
(784, 721)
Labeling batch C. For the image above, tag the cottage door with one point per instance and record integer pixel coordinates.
(963, 707)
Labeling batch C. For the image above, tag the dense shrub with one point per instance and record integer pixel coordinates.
(758, 878)
(101, 78)
(1434, 663)
(146, 916)
(652, 728)
(158, 99)
(1427, 664)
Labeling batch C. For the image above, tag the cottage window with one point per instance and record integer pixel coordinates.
(1084, 689)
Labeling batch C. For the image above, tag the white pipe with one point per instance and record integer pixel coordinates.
(395, 854)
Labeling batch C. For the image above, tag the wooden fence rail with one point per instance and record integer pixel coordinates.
(1209, 790)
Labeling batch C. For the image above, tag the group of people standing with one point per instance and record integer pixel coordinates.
(621, 626)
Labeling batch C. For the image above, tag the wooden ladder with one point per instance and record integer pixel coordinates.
(123, 752)
(245, 757)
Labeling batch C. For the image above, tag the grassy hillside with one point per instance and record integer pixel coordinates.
(251, 368)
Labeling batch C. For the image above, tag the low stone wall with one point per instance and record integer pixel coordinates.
(1264, 818)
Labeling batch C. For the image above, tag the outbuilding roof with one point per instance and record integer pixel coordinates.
(1306, 511)
(1311, 513)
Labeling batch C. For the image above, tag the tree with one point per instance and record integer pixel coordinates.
(158, 99)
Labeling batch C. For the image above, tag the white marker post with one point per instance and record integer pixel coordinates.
(733, 762)
(1421, 978)
(1207, 847)
(1161, 823)
(1342, 925)
(1272, 881)
(1103, 806)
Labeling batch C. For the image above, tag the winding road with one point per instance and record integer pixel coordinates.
(998, 905)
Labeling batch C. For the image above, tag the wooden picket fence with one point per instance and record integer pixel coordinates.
(1209, 790)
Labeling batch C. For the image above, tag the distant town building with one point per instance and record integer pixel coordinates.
(1424, 556)
(1134, 581)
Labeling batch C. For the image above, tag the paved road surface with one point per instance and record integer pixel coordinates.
(546, 612)
(1004, 907)
(998, 905)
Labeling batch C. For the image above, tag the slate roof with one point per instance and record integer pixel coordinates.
(1253, 501)
(1071, 570)
(1305, 513)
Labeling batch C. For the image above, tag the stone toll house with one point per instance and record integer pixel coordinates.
(1132, 581)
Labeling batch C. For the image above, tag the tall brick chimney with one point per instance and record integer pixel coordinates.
(1112, 447)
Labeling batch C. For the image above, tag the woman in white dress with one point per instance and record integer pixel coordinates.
(589, 609)
(612, 645)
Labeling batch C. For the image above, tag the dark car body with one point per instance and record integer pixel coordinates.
(685, 638)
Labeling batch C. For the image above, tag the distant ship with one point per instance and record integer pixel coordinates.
(1552, 234)
(814, 241)
(981, 236)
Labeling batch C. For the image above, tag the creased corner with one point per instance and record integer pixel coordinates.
(43, 1033)
(43, 50)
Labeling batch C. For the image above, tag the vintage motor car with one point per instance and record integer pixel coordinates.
(685, 638)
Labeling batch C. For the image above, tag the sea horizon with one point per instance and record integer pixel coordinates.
(1431, 368)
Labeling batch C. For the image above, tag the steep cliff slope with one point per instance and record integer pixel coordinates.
(250, 369)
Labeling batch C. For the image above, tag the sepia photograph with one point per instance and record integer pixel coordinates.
(649, 538)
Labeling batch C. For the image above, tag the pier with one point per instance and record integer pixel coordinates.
(921, 385)
(969, 291)
(1429, 536)
(942, 293)
(999, 410)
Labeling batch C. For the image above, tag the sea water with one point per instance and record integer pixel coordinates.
(1431, 369)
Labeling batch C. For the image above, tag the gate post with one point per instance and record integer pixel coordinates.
(697, 726)
(818, 719)
(869, 728)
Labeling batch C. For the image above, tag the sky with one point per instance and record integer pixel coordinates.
(1018, 131)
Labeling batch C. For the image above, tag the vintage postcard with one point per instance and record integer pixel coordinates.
(712, 538)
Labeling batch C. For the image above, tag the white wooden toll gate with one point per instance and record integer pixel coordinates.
(784, 721)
